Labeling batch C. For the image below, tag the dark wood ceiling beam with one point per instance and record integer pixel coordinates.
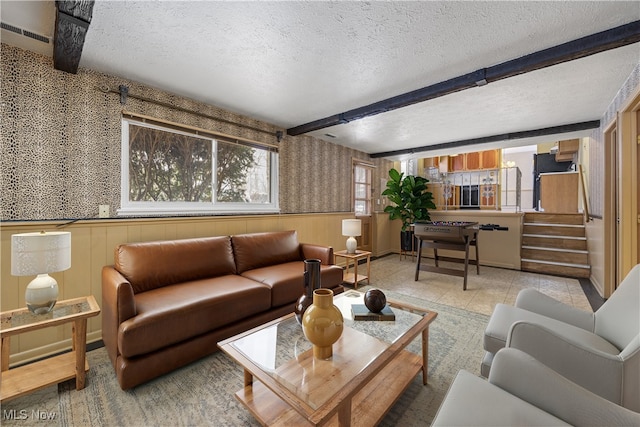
(575, 49)
(554, 130)
(72, 22)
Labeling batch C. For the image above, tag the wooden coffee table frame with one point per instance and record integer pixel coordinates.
(365, 399)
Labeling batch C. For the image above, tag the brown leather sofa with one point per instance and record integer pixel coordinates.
(168, 303)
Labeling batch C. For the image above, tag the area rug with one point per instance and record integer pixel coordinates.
(201, 393)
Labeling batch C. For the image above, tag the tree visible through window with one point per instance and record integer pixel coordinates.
(173, 170)
(166, 166)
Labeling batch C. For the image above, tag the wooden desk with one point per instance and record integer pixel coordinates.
(355, 277)
(34, 376)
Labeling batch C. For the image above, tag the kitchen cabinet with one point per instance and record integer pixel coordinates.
(457, 163)
(490, 159)
(472, 161)
(488, 196)
(566, 149)
(443, 198)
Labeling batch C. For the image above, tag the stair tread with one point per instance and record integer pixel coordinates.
(564, 264)
(544, 248)
(553, 236)
(554, 224)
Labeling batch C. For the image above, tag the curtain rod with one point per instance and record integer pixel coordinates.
(199, 131)
(124, 94)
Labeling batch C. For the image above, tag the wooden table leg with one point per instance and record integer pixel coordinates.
(248, 378)
(425, 355)
(419, 259)
(368, 269)
(79, 343)
(344, 413)
(355, 273)
(6, 350)
(466, 264)
(475, 238)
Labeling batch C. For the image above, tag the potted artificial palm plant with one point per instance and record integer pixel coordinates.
(412, 203)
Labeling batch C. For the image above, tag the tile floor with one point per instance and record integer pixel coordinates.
(484, 291)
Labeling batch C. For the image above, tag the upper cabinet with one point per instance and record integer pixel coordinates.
(472, 161)
(566, 149)
(490, 159)
(477, 160)
(457, 163)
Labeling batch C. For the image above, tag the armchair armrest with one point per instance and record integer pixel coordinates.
(323, 253)
(527, 378)
(582, 357)
(118, 305)
(537, 302)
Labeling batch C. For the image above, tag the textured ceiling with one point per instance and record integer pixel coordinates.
(289, 63)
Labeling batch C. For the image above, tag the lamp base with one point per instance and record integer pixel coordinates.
(41, 294)
(352, 245)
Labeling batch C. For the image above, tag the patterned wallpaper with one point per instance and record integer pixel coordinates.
(597, 144)
(60, 144)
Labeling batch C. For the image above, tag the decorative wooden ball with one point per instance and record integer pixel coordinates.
(375, 300)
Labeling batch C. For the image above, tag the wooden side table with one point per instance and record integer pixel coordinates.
(354, 278)
(34, 376)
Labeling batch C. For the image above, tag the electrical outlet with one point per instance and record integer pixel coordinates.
(103, 211)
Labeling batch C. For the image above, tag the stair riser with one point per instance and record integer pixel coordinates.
(544, 242)
(558, 270)
(555, 256)
(573, 219)
(554, 230)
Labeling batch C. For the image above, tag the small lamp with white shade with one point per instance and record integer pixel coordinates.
(351, 228)
(40, 253)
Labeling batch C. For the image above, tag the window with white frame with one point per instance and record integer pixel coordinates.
(168, 170)
(362, 179)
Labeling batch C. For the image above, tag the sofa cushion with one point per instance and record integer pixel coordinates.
(150, 265)
(287, 280)
(175, 313)
(257, 250)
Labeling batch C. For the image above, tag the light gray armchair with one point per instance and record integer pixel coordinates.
(522, 391)
(599, 351)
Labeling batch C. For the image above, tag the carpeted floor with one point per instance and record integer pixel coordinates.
(202, 393)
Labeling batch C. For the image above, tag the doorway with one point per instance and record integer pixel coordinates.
(362, 201)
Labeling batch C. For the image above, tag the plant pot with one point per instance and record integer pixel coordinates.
(406, 241)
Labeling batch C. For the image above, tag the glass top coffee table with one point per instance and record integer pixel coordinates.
(370, 367)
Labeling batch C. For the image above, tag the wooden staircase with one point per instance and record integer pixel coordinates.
(555, 244)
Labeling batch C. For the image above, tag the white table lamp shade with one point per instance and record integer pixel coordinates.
(351, 228)
(40, 254)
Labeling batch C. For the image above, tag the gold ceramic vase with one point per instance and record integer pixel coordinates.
(322, 323)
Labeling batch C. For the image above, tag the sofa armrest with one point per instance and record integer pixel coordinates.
(323, 253)
(118, 305)
(584, 358)
(537, 302)
(527, 378)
